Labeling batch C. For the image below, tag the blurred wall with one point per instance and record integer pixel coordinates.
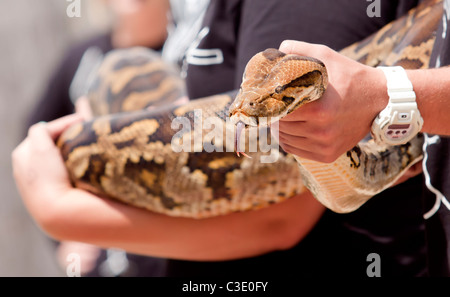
(33, 37)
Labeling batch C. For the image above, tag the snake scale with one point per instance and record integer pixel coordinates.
(146, 149)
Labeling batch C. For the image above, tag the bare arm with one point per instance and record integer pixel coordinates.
(66, 213)
(325, 129)
(432, 88)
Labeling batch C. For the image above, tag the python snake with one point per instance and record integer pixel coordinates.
(147, 150)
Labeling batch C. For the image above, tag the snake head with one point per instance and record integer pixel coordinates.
(244, 113)
(275, 84)
(250, 105)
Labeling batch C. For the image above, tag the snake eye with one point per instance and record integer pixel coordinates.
(251, 103)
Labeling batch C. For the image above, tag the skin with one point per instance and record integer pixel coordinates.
(325, 129)
(70, 214)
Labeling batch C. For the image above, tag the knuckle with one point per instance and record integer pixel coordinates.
(329, 159)
(328, 153)
(33, 129)
(17, 153)
(321, 115)
(326, 116)
(325, 158)
(326, 137)
(285, 147)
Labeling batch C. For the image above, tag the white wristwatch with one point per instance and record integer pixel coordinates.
(400, 121)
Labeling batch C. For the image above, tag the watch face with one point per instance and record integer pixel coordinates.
(397, 131)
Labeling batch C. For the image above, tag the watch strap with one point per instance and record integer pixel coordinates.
(399, 87)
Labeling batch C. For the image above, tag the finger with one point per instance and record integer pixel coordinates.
(308, 148)
(413, 171)
(291, 140)
(56, 127)
(290, 46)
(303, 132)
(311, 111)
(182, 100)
(306, 112)
(44, 156)
(43, 135)
(299, 152)
(300, 143)
(83, 108)
(40, 138)
(296, 47)
(298, 115)
(292, 128)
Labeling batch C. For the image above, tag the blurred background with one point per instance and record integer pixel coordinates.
(34, 36)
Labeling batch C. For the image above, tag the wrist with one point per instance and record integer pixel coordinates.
(375, 92)
(429, 91)
(380, 95)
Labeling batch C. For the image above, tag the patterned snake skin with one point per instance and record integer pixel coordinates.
(145, 149)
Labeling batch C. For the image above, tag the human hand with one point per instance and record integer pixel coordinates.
(38, 167)
(326, 128)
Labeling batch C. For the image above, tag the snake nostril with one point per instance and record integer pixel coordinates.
(251, 103)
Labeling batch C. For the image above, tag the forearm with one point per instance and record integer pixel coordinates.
(66, 213)
(83, 217)
(432, 88)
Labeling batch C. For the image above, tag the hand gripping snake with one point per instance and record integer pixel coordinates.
(145, 149)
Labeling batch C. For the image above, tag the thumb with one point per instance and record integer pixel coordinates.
(318, 51)
(295, 47)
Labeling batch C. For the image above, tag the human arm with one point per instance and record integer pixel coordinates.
(325, 129)
(67, 213)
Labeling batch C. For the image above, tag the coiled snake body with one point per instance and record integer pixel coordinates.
(144, 149)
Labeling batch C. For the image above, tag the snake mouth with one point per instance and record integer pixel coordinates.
(249, 121)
